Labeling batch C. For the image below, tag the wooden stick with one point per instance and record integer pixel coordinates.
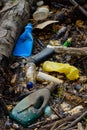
(76, 121)
(42, 122)
(79, 7)
(61, 121)
(70, 50)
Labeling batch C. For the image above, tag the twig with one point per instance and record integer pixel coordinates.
(59, 122)
(76, 121)
(42, 122)
(56, 112)
(79, 7)
(58, 126)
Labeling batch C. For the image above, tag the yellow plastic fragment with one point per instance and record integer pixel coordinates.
(71, 72)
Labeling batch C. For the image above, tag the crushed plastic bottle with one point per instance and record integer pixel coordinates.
(41, 13)
(71, 72)
(24, 43)
(30, 74)
(21, 77)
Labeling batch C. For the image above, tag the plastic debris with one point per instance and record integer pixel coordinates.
(24, 43)
(41, 13)
(30, 74)
(21, 83)
(46, 77)
(31, 107)
(71, 72)
(47, 111)
(67, 42)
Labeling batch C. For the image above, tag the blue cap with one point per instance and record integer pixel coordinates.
(29, 85)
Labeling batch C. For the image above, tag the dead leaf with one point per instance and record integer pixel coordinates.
(73, 98)
(44, 24)
(79, 23)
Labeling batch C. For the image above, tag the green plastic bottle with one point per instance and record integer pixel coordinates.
(67, 42)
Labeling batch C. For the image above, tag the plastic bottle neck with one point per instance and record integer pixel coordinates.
(28, 29)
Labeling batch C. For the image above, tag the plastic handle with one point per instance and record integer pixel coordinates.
(43, 55)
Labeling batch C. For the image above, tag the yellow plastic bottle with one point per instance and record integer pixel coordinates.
(71, 72)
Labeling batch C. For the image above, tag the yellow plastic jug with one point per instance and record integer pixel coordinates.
(71, 72)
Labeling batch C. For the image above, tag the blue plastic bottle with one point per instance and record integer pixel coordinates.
(24, 43)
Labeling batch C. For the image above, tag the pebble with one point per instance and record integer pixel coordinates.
(40, 3)
(15, 126)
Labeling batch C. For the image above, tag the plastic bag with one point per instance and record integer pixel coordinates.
(71, 72)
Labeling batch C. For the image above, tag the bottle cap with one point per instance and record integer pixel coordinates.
(29, 85)
(29, 26)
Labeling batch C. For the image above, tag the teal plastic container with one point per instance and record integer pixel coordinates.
(28, 110)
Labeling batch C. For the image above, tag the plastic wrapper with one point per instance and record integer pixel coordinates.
(71, 72)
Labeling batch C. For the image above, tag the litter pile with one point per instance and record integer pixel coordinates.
(43, 84)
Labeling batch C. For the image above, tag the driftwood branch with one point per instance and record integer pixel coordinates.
(7, 8)
(70, 50)
(79, 7)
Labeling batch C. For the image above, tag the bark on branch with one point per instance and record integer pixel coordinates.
(71, 50)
